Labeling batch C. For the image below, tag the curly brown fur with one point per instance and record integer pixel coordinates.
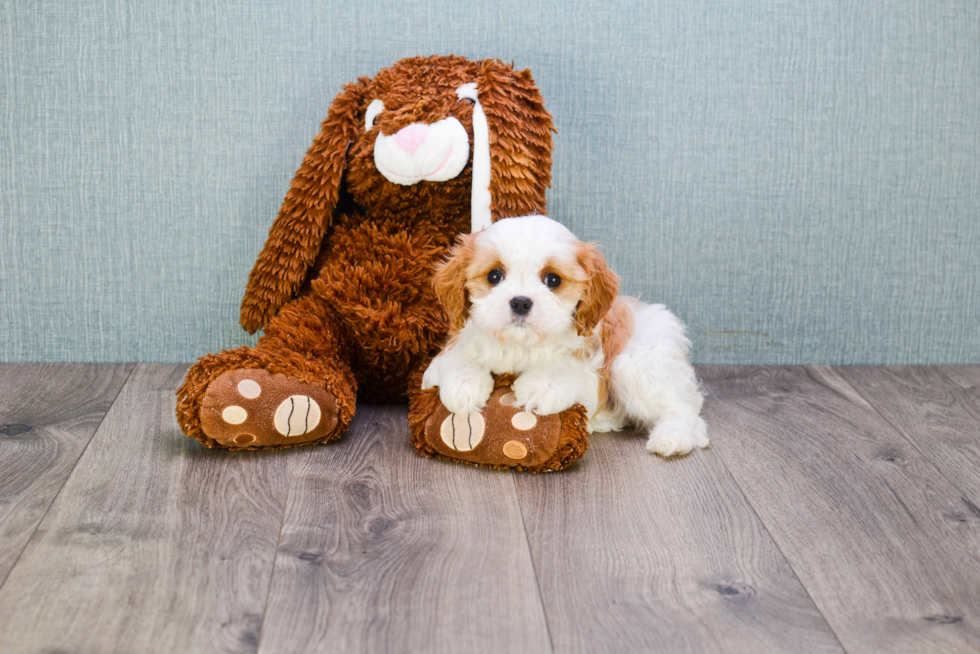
(600, 289)
(358, 250)
(300, 342)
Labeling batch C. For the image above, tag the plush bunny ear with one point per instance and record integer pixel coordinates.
(601, 288)
(297, 233)
(519, 142)
(449, 281)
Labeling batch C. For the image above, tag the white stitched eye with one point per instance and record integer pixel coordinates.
(375, 108)
(467, 92)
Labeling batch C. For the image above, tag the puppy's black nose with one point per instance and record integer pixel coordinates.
(520, 305)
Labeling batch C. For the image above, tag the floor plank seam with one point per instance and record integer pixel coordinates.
(775, 543)
(54, 499)
(534, 568)
(911, 442)
(275, 559)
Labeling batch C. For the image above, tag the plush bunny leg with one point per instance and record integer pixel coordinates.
(294, 388)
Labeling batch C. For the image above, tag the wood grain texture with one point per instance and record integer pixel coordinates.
(967, 377)
(638, 554)
(937, 409)
(48, 414)
(155, 544)
(854, 485)
(868, 523)
(385, 551)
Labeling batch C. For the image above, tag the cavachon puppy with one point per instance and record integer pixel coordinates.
(525, 297)
(406, 160)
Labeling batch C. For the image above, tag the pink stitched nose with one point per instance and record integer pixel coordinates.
(412, 137)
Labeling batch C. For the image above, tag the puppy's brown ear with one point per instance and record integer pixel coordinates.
(297, 234)
(601, 288)
(520, 139)
(449, 281)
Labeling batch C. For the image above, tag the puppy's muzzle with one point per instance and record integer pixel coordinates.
(521, 305)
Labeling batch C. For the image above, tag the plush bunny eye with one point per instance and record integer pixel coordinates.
(551, 280)
(495, 276)
(375, 108)
(467, 92)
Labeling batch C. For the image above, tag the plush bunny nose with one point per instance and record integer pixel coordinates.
(520, 305)
(412, 137)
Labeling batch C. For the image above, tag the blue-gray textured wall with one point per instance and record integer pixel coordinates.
(798, 179)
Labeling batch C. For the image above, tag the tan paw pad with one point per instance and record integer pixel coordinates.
(462, 432)
(515, 450)
(234, 415)
(249, 388)
(297, 415)
(524, 420)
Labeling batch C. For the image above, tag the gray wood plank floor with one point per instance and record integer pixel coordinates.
(836, 510)
(48, 414)
(861, 515)
(385, 551)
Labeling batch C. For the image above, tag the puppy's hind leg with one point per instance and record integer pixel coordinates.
(655, 386)
(678, 433)
(672, 420)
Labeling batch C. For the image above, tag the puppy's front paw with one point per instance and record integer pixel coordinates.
(431, 376)
(541, 395)
(464, 393)
(674, 436)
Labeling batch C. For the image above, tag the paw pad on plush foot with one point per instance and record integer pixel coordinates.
(234, 415)
(297, 415)
(461, 432)
(255, 408)
(522, 420)
(515, 450)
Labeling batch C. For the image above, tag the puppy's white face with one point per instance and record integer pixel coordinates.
(526, 281)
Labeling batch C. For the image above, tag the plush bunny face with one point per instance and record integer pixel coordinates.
(429, 147)
(415, 136)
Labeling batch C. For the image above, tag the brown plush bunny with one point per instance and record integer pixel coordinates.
(427, 149)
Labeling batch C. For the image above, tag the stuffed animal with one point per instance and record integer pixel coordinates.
(500, 436)
(427, 149)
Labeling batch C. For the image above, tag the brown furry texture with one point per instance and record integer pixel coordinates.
(615, 331)
(342, 286)
(601, 287)
(449, 281)
(301, 343)
(572, 442)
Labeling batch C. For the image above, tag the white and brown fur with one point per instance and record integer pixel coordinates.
(625, 361)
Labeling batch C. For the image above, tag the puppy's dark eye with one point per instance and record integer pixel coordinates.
(551, 280)
(495, 276)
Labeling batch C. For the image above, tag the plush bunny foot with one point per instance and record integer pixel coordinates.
(252, 399)
(501, 435)
(254, 408)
